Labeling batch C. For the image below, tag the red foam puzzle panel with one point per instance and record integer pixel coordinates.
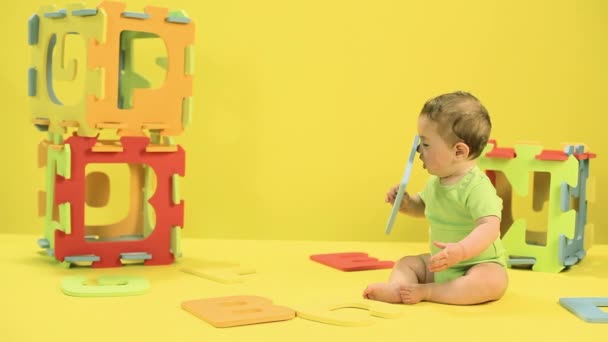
(72, 190)
(353, 261)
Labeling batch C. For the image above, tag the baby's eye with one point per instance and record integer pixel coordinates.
(420, 146)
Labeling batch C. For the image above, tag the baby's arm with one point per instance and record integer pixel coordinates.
(486, 231)
(411, 205)
(484, 234)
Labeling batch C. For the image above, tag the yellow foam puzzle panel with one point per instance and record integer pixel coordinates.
(51, 62)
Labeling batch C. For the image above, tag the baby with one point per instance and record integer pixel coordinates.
(467, 260)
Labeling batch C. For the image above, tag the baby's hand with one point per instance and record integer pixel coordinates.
(391, 195)
(450, 255)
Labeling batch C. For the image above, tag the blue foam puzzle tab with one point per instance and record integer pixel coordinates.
(136, 256)
(522, 261)
(136, 15)
(178, 20)
(31, 81)
(572, 251)
(82, 258)
(56, 15)
(564, 203)
(87, 12)
(580, 149)
(43, 243)
(33, 28)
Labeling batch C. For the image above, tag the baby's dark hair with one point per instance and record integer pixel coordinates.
(460, 117)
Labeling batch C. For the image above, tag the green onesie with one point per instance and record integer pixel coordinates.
(452, 211)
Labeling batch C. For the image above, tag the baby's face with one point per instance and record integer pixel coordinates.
(436, 155)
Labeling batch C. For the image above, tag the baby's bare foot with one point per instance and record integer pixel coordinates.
(384, 292)
(414, 293)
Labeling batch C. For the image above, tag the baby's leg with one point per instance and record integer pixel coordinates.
(482, 283)
(408, 270)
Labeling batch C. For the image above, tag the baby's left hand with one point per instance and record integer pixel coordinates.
(451, 254)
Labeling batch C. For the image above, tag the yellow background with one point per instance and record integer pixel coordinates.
(304, 110)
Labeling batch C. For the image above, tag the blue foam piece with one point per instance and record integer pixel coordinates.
(43, 243)
(402, 186)
(587, 309)
(569, 261)
(522, 261)
(580, 149)
(136, 256)
(136, 15)
(56, 15)
(31, 81)
(82, 258)
(571, 251)
(178, 20)
(33, 27)
(564, 203)
(580, 254)
(85, 12)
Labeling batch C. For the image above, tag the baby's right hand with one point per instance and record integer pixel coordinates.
(391, 195)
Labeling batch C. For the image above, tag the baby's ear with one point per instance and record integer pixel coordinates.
(462, 150)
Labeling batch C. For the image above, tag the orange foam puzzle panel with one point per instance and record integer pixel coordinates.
(223, 312)
(159, 108)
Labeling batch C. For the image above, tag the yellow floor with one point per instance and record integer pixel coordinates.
(34, 308)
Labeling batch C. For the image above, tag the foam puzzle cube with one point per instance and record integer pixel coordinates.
(105, 69)
(562, 175)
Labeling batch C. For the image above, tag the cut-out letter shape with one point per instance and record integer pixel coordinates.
(223, 312)
(222, 275)
(331, 313)
(105, 286)
(355, 261)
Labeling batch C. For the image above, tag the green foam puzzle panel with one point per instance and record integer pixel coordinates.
(105, 286)
(58, 163)
(48, 31)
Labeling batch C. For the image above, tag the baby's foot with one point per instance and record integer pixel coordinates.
(414, 293)
(384, 292)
